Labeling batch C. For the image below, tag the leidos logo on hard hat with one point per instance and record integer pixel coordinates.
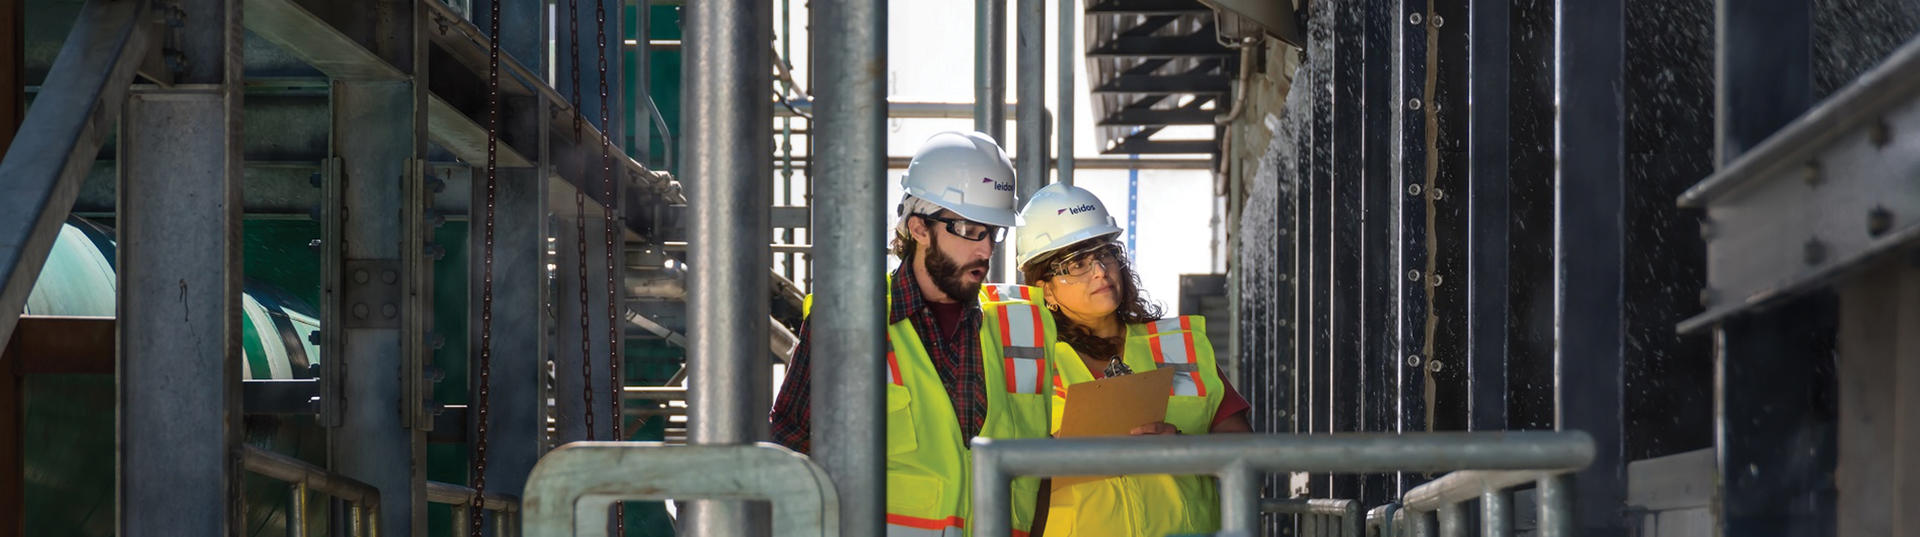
(1074, 210)
(1003, 187)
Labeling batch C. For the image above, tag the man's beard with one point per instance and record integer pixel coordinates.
(946, 273)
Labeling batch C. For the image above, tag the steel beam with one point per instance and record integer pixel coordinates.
(849, 399)
(729, 166)
(1487, 214)
(1775, 422)
(1163, 84)
(517, 426)
(1200, 44)
(1379, 355)
(1412, 179)
(318, 41)
(375, 261)
(179, 267)
(1275, 17)
(580, 303)
(59, 138)
(1145, 7)
(1589, 253)
(1158, 117)
(1346, 172)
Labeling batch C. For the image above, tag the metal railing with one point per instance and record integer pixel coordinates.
(1240, 460)
(1440, 505)
(506, 509)
(1319, 518)
(361, 499)
(573, 488)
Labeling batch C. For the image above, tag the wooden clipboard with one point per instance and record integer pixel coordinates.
(1113, 406)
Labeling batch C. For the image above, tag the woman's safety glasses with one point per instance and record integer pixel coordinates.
(1080, 264)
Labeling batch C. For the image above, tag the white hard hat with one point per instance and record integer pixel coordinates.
(966, 173)
(1057, 217)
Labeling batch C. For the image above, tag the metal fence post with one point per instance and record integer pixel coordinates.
(1496, 514)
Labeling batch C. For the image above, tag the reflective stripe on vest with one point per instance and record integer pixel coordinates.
(1173, 349)
(906, 526)
(1022, 337)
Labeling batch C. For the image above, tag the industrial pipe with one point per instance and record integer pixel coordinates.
(1063, 110)
(729, 180)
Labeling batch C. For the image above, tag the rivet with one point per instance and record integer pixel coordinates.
(1436, 194)
(1413, 360)
(1281, 277)
(389, 311)
(1413, 275)
(1413, 104)
(360, 311)
(1413, 189)
(1815, 252)
(1879, 221)
(1413, 18)
(1434, 279)
(1434, 366)
(361, 276)
(1438, 21)
(389, 276)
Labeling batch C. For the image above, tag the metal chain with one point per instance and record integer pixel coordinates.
(580, 214)
(477, 511)
(613, 297)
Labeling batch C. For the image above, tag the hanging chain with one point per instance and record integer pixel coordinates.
(580, 214)
(613, 294)
(477, 510)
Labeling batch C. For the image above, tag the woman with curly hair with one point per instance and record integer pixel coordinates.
(1107, 328)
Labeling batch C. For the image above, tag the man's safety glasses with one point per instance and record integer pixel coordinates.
(968, 229)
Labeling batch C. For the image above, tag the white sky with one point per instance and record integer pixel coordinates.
(930, 58)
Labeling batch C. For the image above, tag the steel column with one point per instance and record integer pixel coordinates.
(517, 408)
(1347, 169)
(1487, 215)
(1765, 70)
(1774, 419)
(1069, 13)
(179, 271)
(570, 358)
(1589, 194)
(1239, 500)
(990, 68)
(1030, 61)
(849, 399)
(729, 171)
(1379, 350)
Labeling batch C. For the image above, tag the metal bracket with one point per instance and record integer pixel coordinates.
(332, 335)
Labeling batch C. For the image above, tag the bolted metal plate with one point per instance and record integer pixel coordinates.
(1830, 192)
(372, 297)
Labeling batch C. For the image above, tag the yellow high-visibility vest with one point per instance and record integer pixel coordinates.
(929, 464)
(1146, 505)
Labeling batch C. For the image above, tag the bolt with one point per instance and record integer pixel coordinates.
(1413, 360)
(1436, 193)
(1438, 21)
(1413, 18)
(1413, 104)
(1880, 134)
(175, 59)
(1811, 173)
(361, 276)
(315, 179)
(1815, 252)
(1413, 189)
(1879, 221)
(435, 251)
(389, 276)
(360, 311)
(1413, 275)
(434, 373)
(436, 219)
(1434, 366)
(313, 337)
(1434, 279)
(1281, 277)
(389, 311)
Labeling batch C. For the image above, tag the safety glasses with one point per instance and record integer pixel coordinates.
(970, 230)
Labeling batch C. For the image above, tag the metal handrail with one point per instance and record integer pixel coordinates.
(572, 488)
(1346, 514)
(1239, 460)
(1445, 499)
(460, 498)
(362, 499)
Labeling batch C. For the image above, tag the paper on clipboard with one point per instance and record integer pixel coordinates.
(1113, 406)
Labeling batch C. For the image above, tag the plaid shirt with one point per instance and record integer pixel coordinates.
(955, 356)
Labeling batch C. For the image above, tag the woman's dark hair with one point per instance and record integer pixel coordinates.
(1135, 307)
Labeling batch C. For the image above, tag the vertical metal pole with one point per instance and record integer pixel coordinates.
(849, 400)
(179, 275)
(1555, 496)
(1240, 501)
(1487, 215)
(1063, 109)
(1379, 354)
(992, 495)
(1346, 166)
(297, 509)
(1030, 61)
(729, 169)
(1589, 247)
(1496, 514)
(1453, 521)
(990, 68)
(1765, 70)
